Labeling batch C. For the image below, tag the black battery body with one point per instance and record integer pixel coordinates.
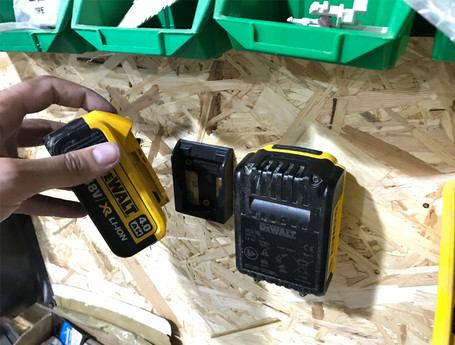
(203, 180)
(287, 207)
(78, 135)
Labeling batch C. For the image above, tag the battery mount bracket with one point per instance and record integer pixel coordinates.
(203, 180)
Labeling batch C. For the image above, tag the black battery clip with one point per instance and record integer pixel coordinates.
(203, 180)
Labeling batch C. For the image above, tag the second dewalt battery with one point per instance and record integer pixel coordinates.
(287, 211)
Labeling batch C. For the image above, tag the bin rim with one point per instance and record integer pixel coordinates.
(198, 21)
(395, 27)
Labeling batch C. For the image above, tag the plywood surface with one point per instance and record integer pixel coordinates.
(392, 130)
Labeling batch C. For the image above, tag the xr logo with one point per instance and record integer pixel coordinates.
(107, 210)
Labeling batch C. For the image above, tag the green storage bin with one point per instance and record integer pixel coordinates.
(60, 40)
(186, 29)
(261, 26)
(444, 48)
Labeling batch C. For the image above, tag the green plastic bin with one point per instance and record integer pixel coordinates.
(443, 48)
(60, 40)
(186, 29)
(260, 25)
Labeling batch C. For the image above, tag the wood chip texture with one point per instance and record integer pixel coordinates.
(393, 131)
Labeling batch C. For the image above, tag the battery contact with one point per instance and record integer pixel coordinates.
(192, 186)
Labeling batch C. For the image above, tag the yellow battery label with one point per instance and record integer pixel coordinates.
(135, 191)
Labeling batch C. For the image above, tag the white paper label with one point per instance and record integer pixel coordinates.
(40, 13)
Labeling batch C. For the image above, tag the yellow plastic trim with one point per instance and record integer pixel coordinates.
(134, 170)
(336, 237)
(443, 321)
(324, 155)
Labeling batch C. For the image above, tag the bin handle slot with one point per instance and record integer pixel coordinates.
(330, 54)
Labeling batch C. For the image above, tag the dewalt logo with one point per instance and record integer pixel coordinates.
(276, 230)
(120, 194)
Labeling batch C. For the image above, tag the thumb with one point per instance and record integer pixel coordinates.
(69, 169)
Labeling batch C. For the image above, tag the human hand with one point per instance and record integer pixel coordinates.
(21, 180)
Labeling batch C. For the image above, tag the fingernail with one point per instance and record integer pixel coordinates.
(106, 153)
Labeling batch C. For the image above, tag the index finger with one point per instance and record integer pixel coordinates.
(38, 93)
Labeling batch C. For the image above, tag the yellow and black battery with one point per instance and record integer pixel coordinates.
(126, 203)
(287, 211)
(444, 321)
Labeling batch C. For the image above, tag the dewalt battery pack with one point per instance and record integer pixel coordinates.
(287, 211)
(126, 203)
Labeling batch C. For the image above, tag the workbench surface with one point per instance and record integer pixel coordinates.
(393, 131)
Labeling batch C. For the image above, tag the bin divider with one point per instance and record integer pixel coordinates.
(166, 18)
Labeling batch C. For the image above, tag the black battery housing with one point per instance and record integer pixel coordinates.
(203, 180)
(287, 202)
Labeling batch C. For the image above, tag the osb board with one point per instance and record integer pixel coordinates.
(392, 130)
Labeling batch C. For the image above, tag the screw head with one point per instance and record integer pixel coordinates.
(315, 180)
